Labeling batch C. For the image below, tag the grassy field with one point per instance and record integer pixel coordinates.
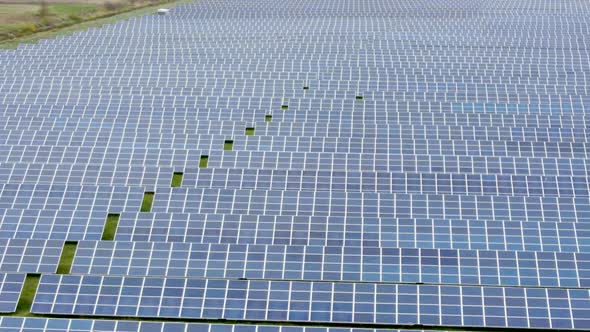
(14, 15)
(21, 19)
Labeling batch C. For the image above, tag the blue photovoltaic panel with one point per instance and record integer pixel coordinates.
(371, 264)
(29, 256)
(362, 303)
(361, 204)
(18, 324)
(354, 231)
(10, 288)
(357, 162)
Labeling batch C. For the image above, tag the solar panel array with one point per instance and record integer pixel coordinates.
(32, 324)
(314, 166)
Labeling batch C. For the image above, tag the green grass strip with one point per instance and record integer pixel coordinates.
(67, 257)
(110, 227)
(27, 295)
(268, 118)
(176, 179)
(250, 131)
(148, 200)
(228, 145)
(204, 161)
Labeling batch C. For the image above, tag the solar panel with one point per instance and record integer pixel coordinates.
(370, 264)
(31, 324)
(353, 231)
(10, 288)
(290, 165)
(367, 303)
(29, 255)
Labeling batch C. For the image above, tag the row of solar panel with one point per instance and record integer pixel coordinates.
(336, 128)
(313, 301)
(38, 324)
(441, 183)
(332, 132)
(369, 45)
(335, 29)
(300, 99)
(289, 123)
(44, 224)
(509, 73)
(257, 101)
(422, 67)
(448, 90)
(437, 24)
(467, 188)
(445, 14)
(413, 70)
(351, 231)
(29, 255)
(567, 113)
(70, 198)
(459, 143)
(433, 14)
(368, 50)
(334, 203)
(497, 129)
(380, 160)
(336, 105)
(334, 125)
(309, 161)
(302, 203)
(380, 76)
(332, 30)
(329, 130)
(326, 89)
(333, 263)
(491, 96)
(240, 46)
(52, 129)
(372, 264)
(369, 146)
(359, 54)
(300, 230)
(285, 58)
(263, 179)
